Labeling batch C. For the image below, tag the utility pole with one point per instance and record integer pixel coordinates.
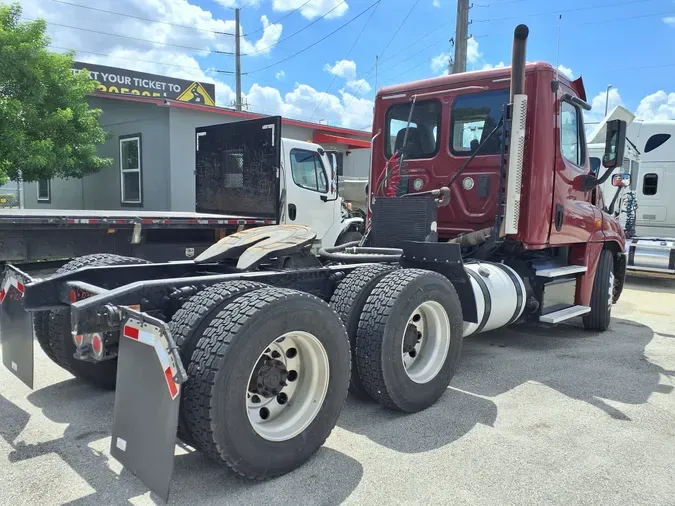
(237, 52)
(451, 62)
(609, 87)
(377, 60)
(461, 36)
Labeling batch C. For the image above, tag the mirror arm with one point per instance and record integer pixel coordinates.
(611, 205)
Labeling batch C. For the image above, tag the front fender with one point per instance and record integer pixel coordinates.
(355, 223)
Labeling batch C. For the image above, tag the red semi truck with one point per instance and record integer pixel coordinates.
(482, 213)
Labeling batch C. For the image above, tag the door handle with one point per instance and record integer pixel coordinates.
(292, 211)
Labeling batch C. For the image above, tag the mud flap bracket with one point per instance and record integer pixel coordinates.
(149, 378)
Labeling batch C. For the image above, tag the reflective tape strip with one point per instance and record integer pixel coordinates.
(9, 282)
(173, 388)
(130, 332)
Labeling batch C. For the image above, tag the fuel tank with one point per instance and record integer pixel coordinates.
(651, 254)
(500, 296)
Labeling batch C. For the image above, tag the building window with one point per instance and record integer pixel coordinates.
(572, 141)
(130, 169)
(596, 163)
(473, 117)
(650, 184)
(425, 123)
(44, 190)
(308, 171)
(655, 141)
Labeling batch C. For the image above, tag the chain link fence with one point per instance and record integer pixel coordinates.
(10, 196)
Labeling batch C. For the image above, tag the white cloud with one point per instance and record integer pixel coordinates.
(670, 20)
(437, 3)
(342, 68)
(473, 55)
(490, 66)
(359, 86)
(313, 8)
(566, 70)
(306, 103)
(597, 111)
(200, 28)
(439, 63)
(657, 106)
(280, 75)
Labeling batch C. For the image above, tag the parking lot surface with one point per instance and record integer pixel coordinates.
(533, 416)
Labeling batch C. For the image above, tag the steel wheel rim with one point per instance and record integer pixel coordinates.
(423, 363)
(306, 362)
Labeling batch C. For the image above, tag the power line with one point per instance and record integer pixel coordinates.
(294, 33)
(141, 18)
(213, 51)
(412, 8)
(216, 71)
(382, 60)
(443, 39)
(576, 9)
(278, 20)
(320, 40)
(343, 60)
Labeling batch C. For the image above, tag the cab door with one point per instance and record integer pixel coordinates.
(308, 185)
(574, 218)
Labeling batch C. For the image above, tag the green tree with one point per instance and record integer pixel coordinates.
(47, 128)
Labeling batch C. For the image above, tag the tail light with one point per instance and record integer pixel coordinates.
(78, 339)
(97, 347)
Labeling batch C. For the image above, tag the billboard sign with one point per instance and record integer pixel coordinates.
(116, 81)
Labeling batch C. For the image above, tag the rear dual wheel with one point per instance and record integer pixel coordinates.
(409, 339)
(267, 377)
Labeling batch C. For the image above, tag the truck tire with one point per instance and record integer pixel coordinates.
(602, 295)
(349, 236)
(348, 300)
(100, 374)
(409, 339)
(41, 327)
(188, 324)
(254, 350)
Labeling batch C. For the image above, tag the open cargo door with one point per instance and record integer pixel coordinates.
(237, 168)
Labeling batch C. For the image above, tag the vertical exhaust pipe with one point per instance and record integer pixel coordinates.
(518, 55)
(517, 118)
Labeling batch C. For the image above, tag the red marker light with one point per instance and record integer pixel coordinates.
(97, 345)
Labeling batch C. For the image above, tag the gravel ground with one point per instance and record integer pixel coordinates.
(534, 416)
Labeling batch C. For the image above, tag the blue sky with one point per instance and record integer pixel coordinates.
(605, 41)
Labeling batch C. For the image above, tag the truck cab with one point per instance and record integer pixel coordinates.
(520, 181)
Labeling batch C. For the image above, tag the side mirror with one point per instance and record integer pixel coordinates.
(615, 144)
(621, 180)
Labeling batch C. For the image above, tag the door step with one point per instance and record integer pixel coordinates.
(556, 272)
(564, 314)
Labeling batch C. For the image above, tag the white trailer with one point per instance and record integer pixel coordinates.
(649, 159)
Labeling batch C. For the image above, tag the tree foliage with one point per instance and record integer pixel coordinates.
(47, 128)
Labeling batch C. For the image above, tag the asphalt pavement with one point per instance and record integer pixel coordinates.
(533, 416)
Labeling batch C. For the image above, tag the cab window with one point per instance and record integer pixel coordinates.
(308, 170)
(422, 140)
(472, 118)
(572, 140)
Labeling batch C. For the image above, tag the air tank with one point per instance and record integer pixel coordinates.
(500, 296)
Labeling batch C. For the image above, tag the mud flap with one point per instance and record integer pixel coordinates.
(16, 329)
(149, 374)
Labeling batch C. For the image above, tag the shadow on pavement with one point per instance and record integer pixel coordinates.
(650, 284)
(582, 365)
(89, 415)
